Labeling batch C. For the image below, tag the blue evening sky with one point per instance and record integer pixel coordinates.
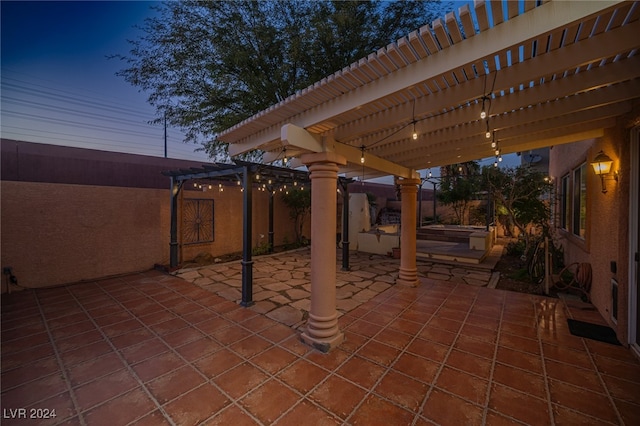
(59, 87)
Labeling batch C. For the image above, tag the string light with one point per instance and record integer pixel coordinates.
(488, 132)
(284, 151)
(209, 186)
(415, 134)
(430, 173)
(362, 154)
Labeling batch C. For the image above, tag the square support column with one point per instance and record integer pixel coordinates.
(322, 327)
(408, 274)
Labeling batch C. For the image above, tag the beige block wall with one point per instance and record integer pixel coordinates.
(228, 222)
(58, 233)
(54, 234)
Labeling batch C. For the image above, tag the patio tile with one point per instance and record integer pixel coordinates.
(145, 350)
(154, 367)
(462, 384)
(269, 401)
(104, 388)
(361, 371)
(519, 405)
(588, 402)
(273, 359)
(250, 346)
(402, 390)
(240, 380)
(303, 376)
(196, 405)
(417, 367)
(521, 380)
(448, 409)
(378, 352)
(338, 396)
(174, 384)
(121, 410)
(307, 413)
(26, 373)
(377, 411)
(217, 363)
(197, 349)
(96, 367)
(440, 353)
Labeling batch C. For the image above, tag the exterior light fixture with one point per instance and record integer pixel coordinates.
(602, 167)
(483, 113)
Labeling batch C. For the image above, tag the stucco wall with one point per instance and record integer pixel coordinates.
(61, 233)
(607, 220)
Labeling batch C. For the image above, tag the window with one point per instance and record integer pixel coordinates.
(565, 203)
(197, 221)
(579, 224)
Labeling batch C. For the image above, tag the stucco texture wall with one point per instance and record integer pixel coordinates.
(62, 233)
(606, 221)
(228, 222)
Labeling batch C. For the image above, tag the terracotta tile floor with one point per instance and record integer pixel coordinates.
(154, 349)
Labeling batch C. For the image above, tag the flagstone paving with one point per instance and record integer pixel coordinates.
(282, 281)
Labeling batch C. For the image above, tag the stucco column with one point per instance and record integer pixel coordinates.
(322, 327)
(408, 274)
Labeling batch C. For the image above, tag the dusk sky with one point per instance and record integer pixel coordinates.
(59, 87)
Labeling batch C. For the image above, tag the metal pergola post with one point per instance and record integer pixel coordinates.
(173, 241)
(247, 263)
(271, 243)
(344, 184)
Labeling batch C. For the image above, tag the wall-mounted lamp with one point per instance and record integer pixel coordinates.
(602, 167)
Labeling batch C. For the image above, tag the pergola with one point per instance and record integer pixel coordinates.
(248, 175)
(542, 73)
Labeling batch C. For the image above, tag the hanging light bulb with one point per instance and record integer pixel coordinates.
(238, 182)
(362, 155)
(493, 144)
(295, 183)
(269, 181)
(209, 186)
(430, 173)
(488, 132)
(460, 168)
(497, 152)
(415, 134)
(483, 113)
(195, 185)
(495, 163)
(500, 158)
(257, 176)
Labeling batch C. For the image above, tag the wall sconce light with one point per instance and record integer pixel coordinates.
(602, 167)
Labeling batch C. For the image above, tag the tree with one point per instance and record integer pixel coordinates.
(458, 186)
(299, 203)
(520, 194)
(208, 65)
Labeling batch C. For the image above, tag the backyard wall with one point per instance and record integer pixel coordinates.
(71, 214)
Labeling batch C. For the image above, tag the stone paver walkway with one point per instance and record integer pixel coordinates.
(282, 286)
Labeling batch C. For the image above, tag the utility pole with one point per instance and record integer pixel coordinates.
(165, 134)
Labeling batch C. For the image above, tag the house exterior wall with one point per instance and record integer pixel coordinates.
(605, 245)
